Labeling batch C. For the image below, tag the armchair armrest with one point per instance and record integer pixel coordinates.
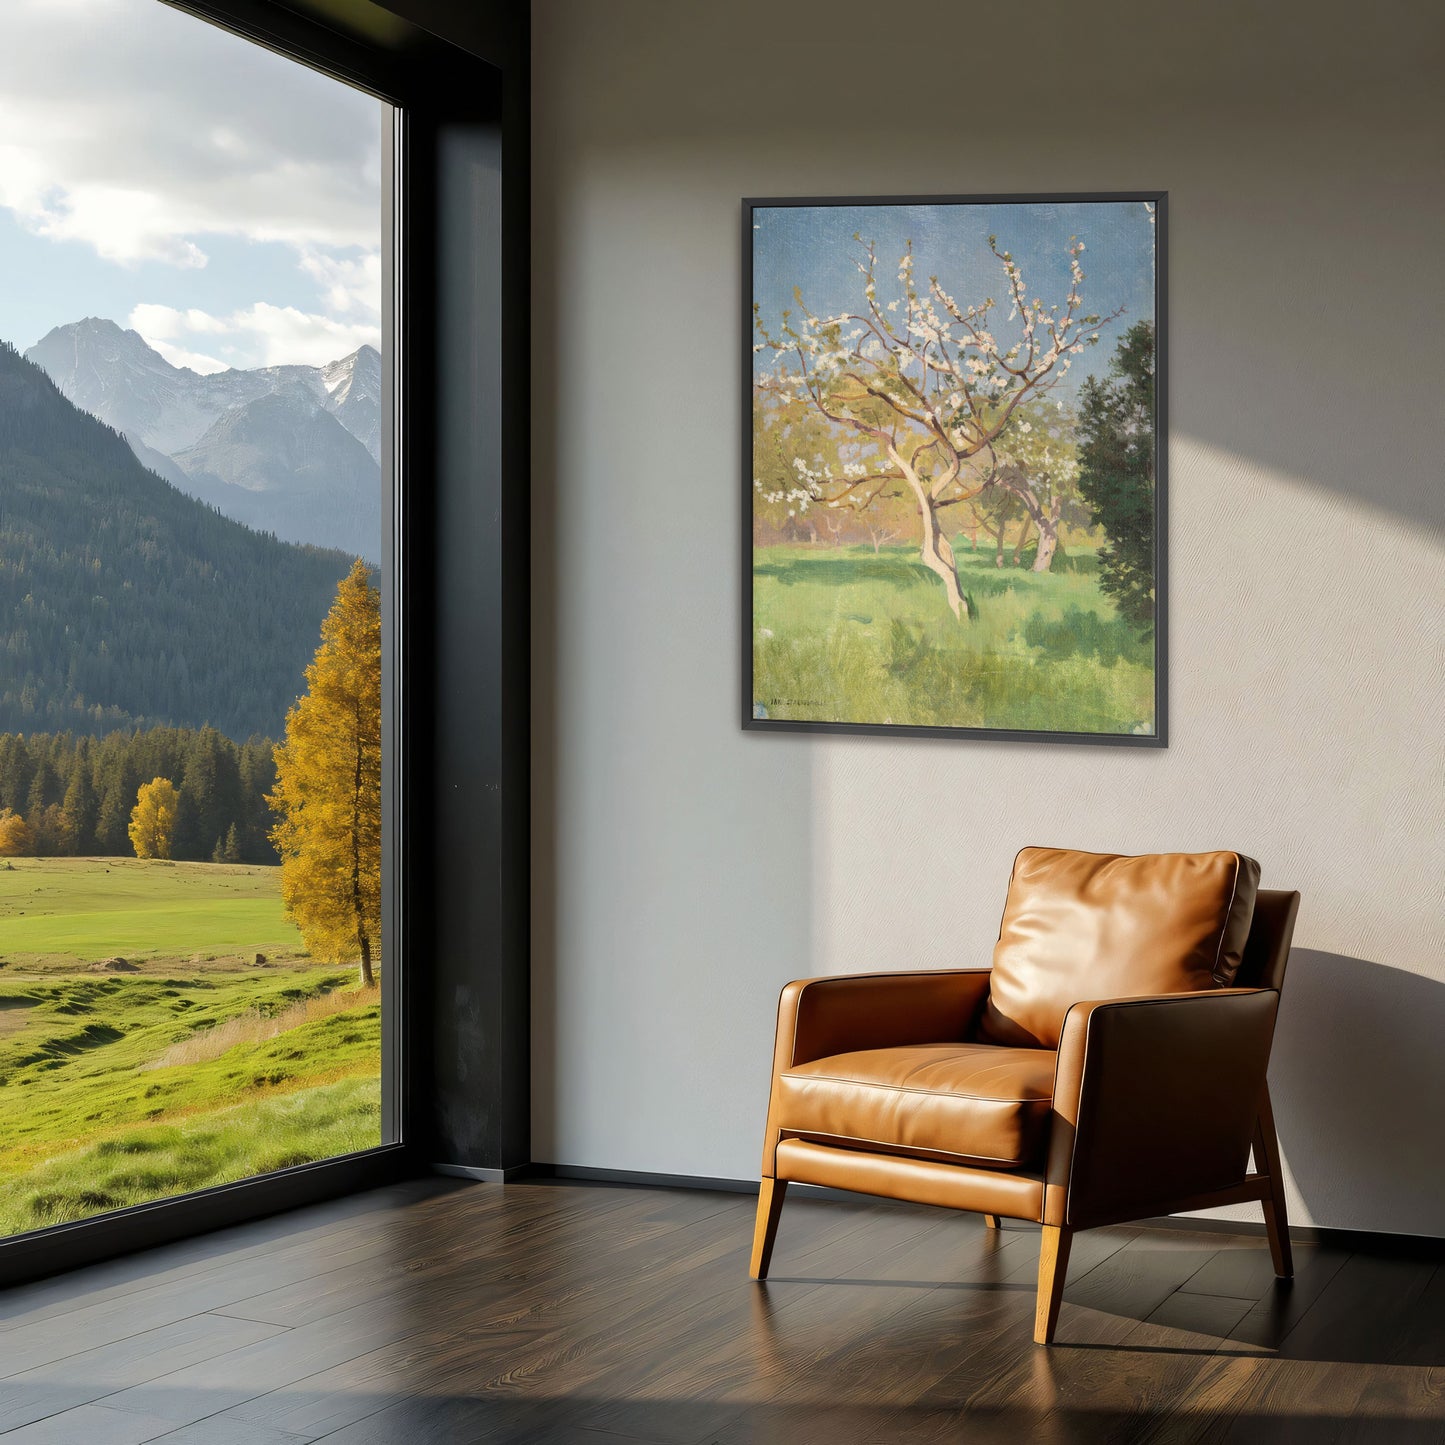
(1155, 1101)
(819, 1017)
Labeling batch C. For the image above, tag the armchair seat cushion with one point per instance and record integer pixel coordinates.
(957, 1102)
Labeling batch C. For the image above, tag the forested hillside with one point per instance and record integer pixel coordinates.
(125, 603)
(73, 796)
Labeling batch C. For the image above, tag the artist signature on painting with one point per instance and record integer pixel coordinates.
(760, 709)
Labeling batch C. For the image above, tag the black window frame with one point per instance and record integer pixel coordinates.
(455, 1053)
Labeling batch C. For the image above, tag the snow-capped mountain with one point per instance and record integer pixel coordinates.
(283, 464)
(277, 468)
(353, 386)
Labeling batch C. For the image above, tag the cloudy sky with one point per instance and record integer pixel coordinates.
(222, 201)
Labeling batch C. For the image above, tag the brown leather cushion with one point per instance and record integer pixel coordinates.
(971, 1103)
(1082, 926)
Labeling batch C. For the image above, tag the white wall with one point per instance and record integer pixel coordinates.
(685, 870)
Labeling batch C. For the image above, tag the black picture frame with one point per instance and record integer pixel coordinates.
(1159, 738)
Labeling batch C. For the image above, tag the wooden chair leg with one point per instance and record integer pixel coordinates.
(1053, 1266)
(1266, 1160)
(765, 1230)
(991, 1221)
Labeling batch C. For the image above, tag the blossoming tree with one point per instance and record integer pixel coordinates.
(1035, 464)
(920, 395)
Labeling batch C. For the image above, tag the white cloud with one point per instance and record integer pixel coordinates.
(142, 131)
(150, 137)
(348, 284)
(257, 335)
(164, 327)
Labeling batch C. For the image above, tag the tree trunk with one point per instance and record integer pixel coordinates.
(1048, 543)
(937, 554)
(935, 549)
(363, 939)
(1044, 517)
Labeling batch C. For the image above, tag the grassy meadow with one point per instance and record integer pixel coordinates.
(162, 1030)
(844, 634)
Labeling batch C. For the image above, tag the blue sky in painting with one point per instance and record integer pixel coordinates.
(812, 247)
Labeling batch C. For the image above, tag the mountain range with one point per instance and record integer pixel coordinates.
(123, 601)
(292, 450)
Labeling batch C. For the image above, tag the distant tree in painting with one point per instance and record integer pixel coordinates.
(1116, 472)
(920, 397)
(327, 796)
(785, 509)
(153, 819)
(1035, 467)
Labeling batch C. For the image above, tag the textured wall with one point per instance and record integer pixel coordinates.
(684, 870)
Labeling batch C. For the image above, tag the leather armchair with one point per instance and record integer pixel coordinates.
(1092, 1110)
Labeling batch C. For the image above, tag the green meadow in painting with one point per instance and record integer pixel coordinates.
(954, 474)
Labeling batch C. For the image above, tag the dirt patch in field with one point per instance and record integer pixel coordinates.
(13, 1014)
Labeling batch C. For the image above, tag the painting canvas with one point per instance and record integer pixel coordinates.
(953, 466)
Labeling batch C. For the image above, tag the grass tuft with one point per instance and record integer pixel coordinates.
(258, 1024)
(201, 1068)
(228, 1144)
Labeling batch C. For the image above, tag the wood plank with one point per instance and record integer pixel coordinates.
(93, 1425)
(218, 1430)
(1284, 1303)
(1331, 1376)
(1244, 1270)
(1110, 1371)
(623, 1347)
(90, 1375)
(223, 1250)
(1350, 1320)
(507, 1316)
(213, 1384)
(567, 1312)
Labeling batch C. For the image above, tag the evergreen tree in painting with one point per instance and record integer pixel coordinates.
(1116, 472)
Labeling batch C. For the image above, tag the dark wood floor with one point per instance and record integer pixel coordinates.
(438, 1312)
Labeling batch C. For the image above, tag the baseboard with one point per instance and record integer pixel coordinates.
(484, 1176)
(1363, 1241)
(1359, 1241)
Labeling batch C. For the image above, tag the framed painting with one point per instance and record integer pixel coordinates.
(954, 446)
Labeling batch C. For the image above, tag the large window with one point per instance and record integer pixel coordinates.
(195, 569)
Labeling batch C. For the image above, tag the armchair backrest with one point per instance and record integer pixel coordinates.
(1080, 926)
(1266, 950)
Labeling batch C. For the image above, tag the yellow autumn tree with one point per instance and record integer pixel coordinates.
(153, 819)
(328, 785)
(14, 834)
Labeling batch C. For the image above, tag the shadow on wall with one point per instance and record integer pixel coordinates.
(1358, 1083)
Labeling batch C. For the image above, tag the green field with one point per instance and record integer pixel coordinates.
(196, 1065)
(87, 909)
(844, 634)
